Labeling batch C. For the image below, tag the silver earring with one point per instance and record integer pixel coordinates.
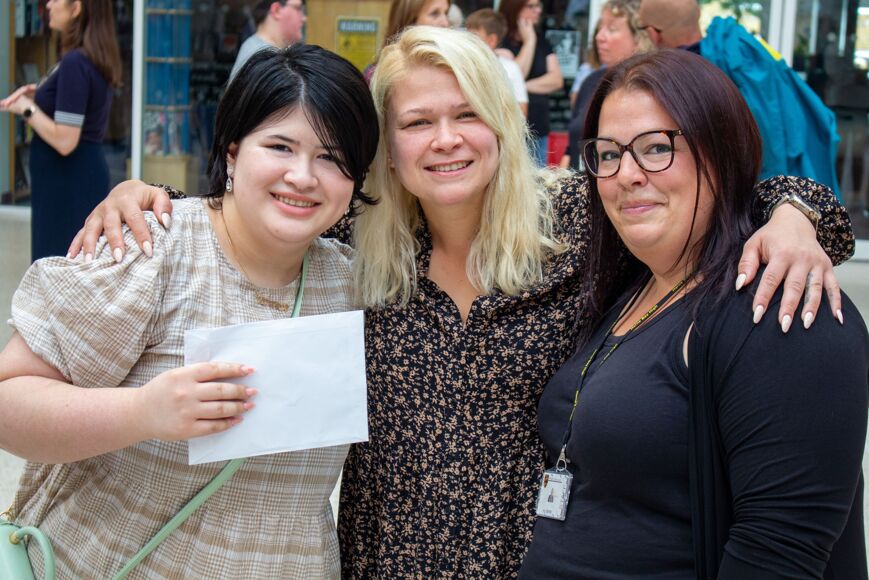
(228, 185)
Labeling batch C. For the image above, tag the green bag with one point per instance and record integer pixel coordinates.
(14, 563)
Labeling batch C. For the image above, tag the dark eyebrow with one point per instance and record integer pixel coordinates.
(295, 142)
(284, 139)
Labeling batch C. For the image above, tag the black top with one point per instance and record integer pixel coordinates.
(630, 488)
(538, 105)
(780, 482)
(76, 94)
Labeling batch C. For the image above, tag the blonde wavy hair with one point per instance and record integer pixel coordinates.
(516, 234)
(630, 11)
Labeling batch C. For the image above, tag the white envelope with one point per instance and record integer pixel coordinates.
(310, 374)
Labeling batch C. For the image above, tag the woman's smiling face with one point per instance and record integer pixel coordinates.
(652, 212)
(286, 183)
(441, 151)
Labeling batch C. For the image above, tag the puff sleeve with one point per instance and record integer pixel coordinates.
(92, 322)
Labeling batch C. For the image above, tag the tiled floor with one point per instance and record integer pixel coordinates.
(15, 257)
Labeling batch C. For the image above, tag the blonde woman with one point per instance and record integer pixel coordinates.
(472, 265)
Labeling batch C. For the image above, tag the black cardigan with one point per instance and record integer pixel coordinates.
(823, 538)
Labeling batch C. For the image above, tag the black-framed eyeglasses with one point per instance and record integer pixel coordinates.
(653, 151)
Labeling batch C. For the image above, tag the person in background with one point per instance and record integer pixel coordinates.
(96, 397)
(538, 63)
(590, 64)
(404, 13)
(69, 112)
(461, 335)
(491, 27)
(701, 445)
(797, 129)
(618, 36)
(279, 23)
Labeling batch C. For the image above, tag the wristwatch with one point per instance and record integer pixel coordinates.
(804, 207)
(28, 112)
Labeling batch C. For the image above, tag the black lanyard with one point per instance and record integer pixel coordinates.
(562, 458)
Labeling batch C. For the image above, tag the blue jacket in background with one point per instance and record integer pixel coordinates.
(798, 130)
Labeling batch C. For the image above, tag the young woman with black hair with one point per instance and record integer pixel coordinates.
(95, 396)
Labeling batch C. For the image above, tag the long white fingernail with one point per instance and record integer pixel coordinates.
(786, 322)
(808, 319)
(68, 256)
(166, 219)
(758, 313)
(88, 258)
(839, 316)
(146, 247)
(740, 280)
(118, 255)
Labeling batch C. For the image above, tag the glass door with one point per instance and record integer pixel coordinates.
(831, 52)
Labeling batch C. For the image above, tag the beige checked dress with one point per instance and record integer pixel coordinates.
(108, 325)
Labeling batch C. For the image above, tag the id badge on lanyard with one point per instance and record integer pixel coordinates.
(555, 491)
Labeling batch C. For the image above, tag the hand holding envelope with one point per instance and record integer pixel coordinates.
(310, 374)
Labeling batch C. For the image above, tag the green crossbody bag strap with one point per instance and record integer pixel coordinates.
(200, 498)
(182, 515)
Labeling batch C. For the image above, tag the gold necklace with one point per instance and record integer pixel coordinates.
(260, 298)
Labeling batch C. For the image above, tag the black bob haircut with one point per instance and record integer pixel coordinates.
(331, 92)
(723, 139)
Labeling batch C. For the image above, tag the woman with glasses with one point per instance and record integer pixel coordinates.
(538, 63)
(683, 439)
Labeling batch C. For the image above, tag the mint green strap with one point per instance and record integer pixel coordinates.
(182, 515)
(206, 492)
(44, 544)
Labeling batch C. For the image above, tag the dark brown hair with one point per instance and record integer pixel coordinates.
(511, 9)
(93, 31)
(724, 141)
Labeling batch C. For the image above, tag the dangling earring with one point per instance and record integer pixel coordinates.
(228, 185)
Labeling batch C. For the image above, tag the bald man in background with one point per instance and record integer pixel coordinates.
(798, 130)
(672, 23)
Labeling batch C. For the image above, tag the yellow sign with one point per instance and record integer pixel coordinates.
(356, 40)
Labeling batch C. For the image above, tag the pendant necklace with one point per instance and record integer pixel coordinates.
(260, 298)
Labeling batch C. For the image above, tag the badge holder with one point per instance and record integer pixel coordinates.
(555, 490)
